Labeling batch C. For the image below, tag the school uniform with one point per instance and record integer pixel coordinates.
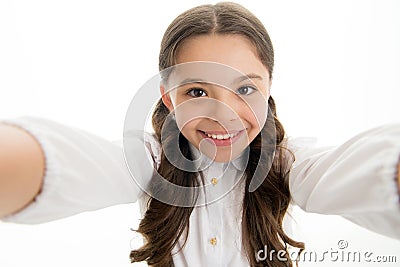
(356, 180)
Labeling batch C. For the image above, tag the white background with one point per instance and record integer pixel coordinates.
(80, 62)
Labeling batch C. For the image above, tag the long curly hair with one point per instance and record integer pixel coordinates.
(264, 208)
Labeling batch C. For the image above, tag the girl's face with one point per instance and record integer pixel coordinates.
(220, 119)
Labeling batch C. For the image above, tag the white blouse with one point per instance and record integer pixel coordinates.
(356, 180)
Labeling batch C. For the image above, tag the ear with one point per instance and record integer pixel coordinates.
(166, 98)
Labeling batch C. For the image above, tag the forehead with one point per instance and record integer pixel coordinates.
(232, 50)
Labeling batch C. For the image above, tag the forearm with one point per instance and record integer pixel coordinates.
(355, 180)
(21, 169)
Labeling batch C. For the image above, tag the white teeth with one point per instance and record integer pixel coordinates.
(234, 134)
(222, 136)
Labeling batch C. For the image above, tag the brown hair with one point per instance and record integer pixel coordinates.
(263, 209)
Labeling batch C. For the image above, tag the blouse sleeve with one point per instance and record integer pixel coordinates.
(83, 172)
(356, 180)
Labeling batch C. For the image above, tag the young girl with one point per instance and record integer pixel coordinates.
(234, 174)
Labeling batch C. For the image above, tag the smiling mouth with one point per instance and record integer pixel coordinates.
(221, 137)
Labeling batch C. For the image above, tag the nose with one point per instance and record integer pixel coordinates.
(226, 107)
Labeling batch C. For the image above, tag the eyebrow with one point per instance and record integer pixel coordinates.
(249, 76)
(237, 80)
(192, 80)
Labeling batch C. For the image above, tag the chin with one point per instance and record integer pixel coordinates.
(225, 154)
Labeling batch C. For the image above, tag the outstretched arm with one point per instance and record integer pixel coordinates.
(358, 180)
(82, 172)
(21, 168)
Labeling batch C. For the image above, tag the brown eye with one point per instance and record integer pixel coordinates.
(245, 90)
(196, 92)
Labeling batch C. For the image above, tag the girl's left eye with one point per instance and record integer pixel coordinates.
(196, 92)
(245, 90)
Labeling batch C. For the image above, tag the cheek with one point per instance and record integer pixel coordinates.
(256, 114)
(185, 118)
(188, 128)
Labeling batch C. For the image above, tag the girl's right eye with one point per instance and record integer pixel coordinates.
(196, 92)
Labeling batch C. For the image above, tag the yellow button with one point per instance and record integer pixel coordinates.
(214, 181)
(213, 241)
